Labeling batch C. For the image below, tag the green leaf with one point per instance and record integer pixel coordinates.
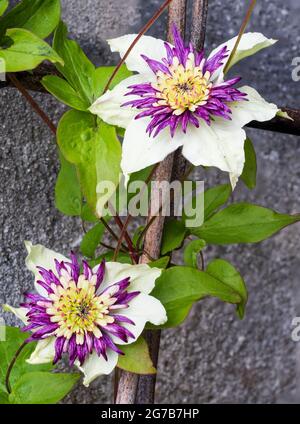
(42, 388)
(173, 235)
(95, 150)
(87, 214)
(212, 199)
(63, 91)
(226, 273)
(250, 167)
(78, 69)
(243, 223)
(3, 7)
(3, 398)
(38, 16)
(162, 262)
(191, 252)
(23, 51)
(108, 256)
(14, 338)
(91, 240)
(137, 358)
(102, 76)
(179, 287)
(68, 197)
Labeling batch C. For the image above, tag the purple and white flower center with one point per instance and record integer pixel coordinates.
(80, 314)
(184, 90)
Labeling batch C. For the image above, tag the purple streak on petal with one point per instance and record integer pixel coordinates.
(121, 332)
(170, 53)
(87, 270)
(110, 344)
(100, 347)
(75, 268)
(82, 352)
(72, 349)
(89, 338)
(58, 346)
(45, 286)
(100, 274)
(179, 45)
(216, 61)
(125, 298)
(122, 318)
(156, 66)
(45, 331)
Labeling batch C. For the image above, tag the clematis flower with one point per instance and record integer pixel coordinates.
(179, 98)
(86, 314)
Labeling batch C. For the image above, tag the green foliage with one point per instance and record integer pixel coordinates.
(64, 92)
(68, 197)
(38, 16)
(191, 252)
(87, 214)
(243, 223)
(14, 339)
(29, 383)
(162, 262)
(211, 200)
(102, 76)
(226, 273)
(136, 358)
(91, 240)
(250, 168)
(173, 235)
(23, 50)
(95, 150)
(179, 287)
(42, 388)
(78, 69)
(3, 7)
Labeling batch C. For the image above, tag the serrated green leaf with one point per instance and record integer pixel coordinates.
(95, 150)
(102, 76)
(179, 287)
(42, 388)
(226, 273)
(91, 240)
(78, 69)
(68, 197)
(63, 91)
(173, 235)
(191, 252)
(3, 7)
(22, 50)
(14, 338)
(38, 16)
(250, 168)
(137, 358)
(243, 223)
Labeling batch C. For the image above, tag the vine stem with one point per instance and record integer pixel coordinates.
(132, 388)
(11, 365)
(241, 32)
(135, 41)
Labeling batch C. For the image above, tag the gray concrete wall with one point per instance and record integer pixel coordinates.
(213, 357)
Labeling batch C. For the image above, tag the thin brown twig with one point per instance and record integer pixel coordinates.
(11, 364)
(131, 47)
(129, 217)
(32, 102)
(241, 32)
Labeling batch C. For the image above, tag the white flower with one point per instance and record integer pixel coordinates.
(180, 99)
(86, 314)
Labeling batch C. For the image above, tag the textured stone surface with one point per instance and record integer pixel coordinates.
(213, 357)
